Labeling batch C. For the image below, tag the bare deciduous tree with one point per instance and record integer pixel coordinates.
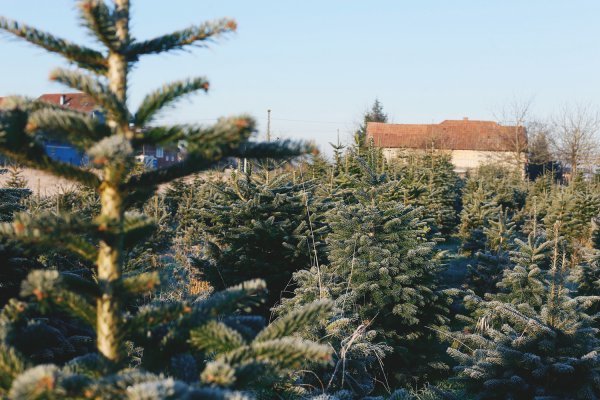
(575, 136)
(516, 115)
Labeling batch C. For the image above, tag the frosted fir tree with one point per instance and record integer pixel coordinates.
(587, 273)
(382, 271)
(574, 206)
(428, 181)
(261, 224)
(524, 282)
(185, 341)
(535, 342)
(479, 207)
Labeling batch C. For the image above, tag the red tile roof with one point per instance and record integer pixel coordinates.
(448, 135)
(75, 101)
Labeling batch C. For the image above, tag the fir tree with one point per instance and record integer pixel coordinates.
(261, 228)
(428, 181)
(383, 271)
(168, 333)
(14, 264)
(524, 282)
(15, 180)
(499, 233)
(479, 207)
(534, 342)
(375, 114)
(484, 273)
(587, 274)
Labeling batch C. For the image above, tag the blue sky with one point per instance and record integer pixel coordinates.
(319, 64)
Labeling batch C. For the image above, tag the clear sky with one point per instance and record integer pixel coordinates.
(319, 64)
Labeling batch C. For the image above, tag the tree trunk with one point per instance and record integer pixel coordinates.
(112, 213)
(109, 273)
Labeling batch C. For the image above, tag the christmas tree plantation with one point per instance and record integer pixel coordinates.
(264, 270)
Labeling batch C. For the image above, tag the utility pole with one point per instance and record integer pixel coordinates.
(268, 140)
(269, 125)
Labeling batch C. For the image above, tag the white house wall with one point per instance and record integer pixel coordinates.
(463, 160)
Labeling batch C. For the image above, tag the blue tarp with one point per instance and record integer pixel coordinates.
(65, 153)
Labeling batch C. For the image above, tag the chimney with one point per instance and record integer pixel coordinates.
(63, 99)
(465, 118)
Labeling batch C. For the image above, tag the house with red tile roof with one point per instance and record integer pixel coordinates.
(470, 143)
(75, 101)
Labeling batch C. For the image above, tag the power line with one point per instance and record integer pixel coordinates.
(286, 120)
(308, 121)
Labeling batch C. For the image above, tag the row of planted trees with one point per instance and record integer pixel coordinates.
(128, 292)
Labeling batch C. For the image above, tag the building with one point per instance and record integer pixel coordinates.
(81, 102)
(470, 143)
(157, 156)
(152, 157)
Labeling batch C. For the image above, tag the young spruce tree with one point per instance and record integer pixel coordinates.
(197, 348)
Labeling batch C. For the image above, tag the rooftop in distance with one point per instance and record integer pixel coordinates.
(462, 134)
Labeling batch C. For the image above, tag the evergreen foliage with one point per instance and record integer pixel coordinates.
(533, 340)
(15, 180)
(130, 341)
(374, 114)
(260, 224)
(13, 262)
(479, 208)
(116, 289)
(428, 181)
(382, 273)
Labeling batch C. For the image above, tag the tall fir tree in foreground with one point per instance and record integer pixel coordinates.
(201, 346)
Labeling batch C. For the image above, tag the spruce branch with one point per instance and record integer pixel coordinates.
(240, 297)
(78, 284)
(218, 373)
(72, 127)
(99, 19)
(39, 382)
(139, 284)
(37, 159)
(84, 57)
(165, 96)
(49, 230)
(216, 337)
(281, 354)
(31, 105)
(161, 135)
(203, 156)
(47, 287)
(294, 321)
(194, 35)
(276, 150)
(98, 91)
(12, 365)
(136, 228)
(155, 315)
(209, 146)
(112, 150)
